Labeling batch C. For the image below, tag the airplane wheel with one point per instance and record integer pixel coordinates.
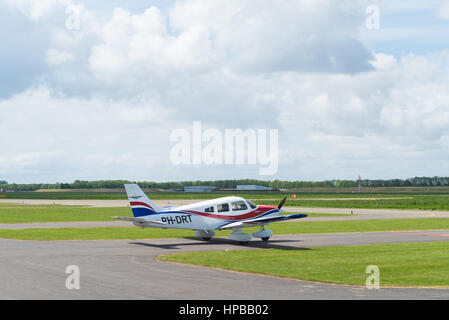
(206, 239)
(265, 239)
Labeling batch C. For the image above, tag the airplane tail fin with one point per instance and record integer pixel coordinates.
(140, 204)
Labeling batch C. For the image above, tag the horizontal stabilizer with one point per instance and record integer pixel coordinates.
(261, 221)
(140, 220)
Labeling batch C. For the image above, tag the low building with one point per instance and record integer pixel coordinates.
(253, 188)
(199, 189)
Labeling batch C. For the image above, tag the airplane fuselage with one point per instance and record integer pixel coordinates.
(207, 215)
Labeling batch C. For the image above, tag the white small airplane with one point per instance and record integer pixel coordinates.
(206, 216)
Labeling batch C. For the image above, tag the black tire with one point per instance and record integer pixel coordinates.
(206, 239)
(265, 239)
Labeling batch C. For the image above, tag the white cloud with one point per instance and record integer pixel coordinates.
(241, 35)
(141, 44)
(384, 61)
(55, 57)
(86, 136)
(443, 10)
(116, 88)
(293, 35)
(36, 10)
(141, 50)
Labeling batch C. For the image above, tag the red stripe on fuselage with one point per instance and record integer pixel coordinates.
(259, 211)
(141, 204)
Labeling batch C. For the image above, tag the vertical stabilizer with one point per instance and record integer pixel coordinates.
(140, 204)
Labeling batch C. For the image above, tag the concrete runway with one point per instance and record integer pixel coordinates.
(128, 270)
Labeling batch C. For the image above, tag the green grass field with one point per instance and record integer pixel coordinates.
(20, 205)
(430, 202)
(306, 227)
(27, 214)
(66, 195)
(405, 264)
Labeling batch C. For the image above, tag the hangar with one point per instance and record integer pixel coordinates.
(253, 188)
(199, 189)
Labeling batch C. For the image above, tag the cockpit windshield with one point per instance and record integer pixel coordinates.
(252, 205)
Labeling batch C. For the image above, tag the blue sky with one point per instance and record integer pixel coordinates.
(409, 27)
(101, 101)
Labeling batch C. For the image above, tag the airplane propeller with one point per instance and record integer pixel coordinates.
(282, 203)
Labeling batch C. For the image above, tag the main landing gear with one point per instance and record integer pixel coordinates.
(237, 235)
(206, 235)
(263, 234)
(244, 238)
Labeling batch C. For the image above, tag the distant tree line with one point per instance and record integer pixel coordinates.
(232, 184)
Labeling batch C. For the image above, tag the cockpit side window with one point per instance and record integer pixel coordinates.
(223, 207)
(239, 206)
(210, 209)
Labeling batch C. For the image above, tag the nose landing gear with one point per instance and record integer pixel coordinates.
(263, 234)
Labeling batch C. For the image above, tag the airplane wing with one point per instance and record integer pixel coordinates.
(140, 221)
(261, 221)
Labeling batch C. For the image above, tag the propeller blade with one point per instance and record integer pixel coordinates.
(282, 203)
